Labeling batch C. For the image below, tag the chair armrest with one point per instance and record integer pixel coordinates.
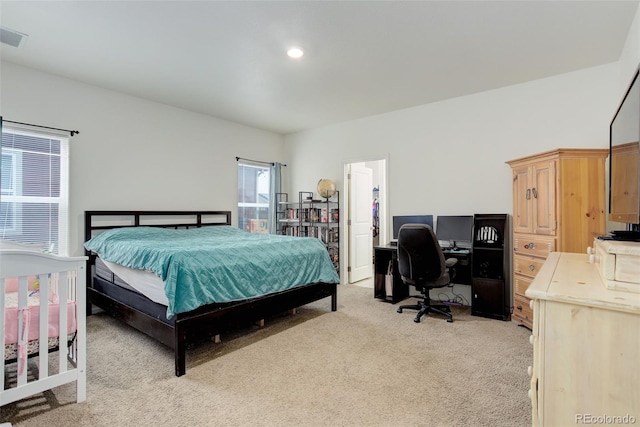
(450, 262)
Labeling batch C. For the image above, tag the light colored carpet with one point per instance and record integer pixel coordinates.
(364, 365)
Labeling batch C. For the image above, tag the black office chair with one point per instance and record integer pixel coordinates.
(421, 263)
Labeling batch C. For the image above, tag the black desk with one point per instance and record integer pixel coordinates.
(400, 291)
(462, 267)
(382, 255)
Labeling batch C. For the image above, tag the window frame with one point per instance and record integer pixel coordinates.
(9, 193)
(17, 200)
(256, 204)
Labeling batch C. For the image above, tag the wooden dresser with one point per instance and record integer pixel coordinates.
(586, 346)
(558, 205)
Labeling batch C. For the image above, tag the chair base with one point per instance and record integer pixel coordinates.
(425, 307)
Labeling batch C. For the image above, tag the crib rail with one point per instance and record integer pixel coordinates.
(59, 283)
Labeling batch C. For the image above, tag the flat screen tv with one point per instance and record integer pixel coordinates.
(454, 230)
(400, 220)
(624, 160)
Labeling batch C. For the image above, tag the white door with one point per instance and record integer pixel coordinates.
(361, 228)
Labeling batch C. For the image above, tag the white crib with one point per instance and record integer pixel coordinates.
(25, 276)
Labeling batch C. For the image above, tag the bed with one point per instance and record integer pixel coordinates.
(177, 321)
(42, 300)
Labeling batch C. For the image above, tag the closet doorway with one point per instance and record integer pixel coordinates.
(366, 215)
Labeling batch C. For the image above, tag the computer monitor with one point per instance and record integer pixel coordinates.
(455, 231)
(400, 220)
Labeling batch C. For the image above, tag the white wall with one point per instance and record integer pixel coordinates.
(444, 158)
(630, 57)
(133, 154)
(449, 157)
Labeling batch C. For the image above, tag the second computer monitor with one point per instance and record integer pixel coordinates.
(400, 220)
(455, 230)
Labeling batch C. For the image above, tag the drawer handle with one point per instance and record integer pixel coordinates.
(532, 267)
(535, 193)
(528, 194)
(530, 246)
(519, 307)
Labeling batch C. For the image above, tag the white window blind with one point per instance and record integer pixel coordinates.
(35, 182)
(253, 196)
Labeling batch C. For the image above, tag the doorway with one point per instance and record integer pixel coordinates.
(366, 215)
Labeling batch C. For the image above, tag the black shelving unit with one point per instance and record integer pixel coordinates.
(286, 219)
(310, 217)
(490, 283)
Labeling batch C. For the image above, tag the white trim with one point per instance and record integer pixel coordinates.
(61, 201)
(29, 130)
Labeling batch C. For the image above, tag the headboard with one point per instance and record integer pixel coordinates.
(97, 221)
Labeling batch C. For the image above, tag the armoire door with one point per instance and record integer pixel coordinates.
(521, 196)
(543, 198)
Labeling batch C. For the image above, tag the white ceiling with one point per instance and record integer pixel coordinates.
(227, 58)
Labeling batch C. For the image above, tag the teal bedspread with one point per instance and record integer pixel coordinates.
(216, 264)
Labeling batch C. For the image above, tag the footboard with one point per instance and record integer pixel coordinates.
(42, 300)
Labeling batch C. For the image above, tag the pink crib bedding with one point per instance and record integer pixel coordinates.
(31, 315)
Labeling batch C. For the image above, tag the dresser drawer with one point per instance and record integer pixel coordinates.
(522, 311)
(520, 284)
(528, 244)
(527, 265)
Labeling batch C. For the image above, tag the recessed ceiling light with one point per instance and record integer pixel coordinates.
(295, 52)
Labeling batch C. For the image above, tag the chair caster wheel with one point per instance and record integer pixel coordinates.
(417, 320)
(449, 320)
(399, 310)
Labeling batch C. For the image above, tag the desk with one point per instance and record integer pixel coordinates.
(384, 254)
(462, 267)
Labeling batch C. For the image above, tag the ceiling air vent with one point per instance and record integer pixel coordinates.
(11, 37)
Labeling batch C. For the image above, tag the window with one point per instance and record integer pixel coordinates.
(34, 189)
(253, 197)
(9, 187)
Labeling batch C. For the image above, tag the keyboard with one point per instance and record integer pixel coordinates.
(455, 251)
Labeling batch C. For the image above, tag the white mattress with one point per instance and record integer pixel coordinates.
(144, 281)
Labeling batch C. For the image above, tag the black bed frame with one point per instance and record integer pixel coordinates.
(208, 320)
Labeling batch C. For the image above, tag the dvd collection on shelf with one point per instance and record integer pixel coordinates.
(309, 217)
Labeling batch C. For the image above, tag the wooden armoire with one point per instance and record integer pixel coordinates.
(558, 206)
